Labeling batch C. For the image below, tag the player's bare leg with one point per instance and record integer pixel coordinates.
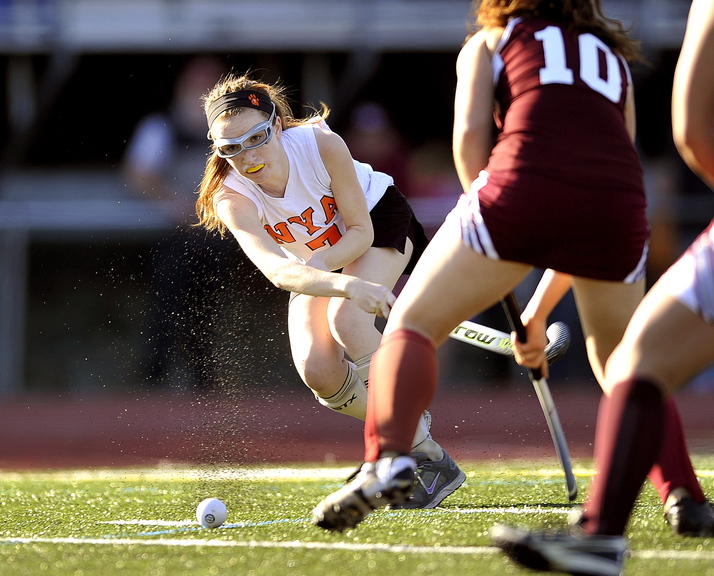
(670, 359)
(605, 309)
(322, 329)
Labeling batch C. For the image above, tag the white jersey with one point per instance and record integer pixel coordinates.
(306, 219)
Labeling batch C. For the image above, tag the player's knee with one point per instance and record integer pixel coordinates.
(322, 378)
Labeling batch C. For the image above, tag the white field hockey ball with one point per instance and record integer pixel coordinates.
(211, 513)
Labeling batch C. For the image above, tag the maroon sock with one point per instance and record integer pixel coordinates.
(673, 468)
(402, 382)
(627, 442)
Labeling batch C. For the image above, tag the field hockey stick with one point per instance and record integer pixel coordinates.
(500, 342)
(513, 312)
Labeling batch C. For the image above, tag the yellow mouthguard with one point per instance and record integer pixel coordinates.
(255, 168)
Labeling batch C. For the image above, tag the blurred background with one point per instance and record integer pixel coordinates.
(103, 284)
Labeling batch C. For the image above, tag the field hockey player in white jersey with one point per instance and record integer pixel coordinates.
(328, 229)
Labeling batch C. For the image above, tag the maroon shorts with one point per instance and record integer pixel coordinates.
(599, 234)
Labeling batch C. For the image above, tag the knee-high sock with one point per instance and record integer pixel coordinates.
(351, 398)
(673, 468)
(628, 440)
(362, 366)
(402, 379)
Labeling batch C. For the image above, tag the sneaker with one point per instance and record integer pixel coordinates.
(375, 484)
(569, 552)
(435, 481)
(690, 518)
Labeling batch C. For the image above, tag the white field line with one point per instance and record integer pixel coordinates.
(508, 510)
(337, 546)
(178, 523)
(502, 510)
(264, 473)
(196, 473)
(259, 544)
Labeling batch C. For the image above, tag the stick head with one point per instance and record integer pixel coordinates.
(558, 335)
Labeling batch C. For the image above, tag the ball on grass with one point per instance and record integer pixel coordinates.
(211, 513)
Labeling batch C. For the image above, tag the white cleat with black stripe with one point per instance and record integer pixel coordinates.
(375, 485)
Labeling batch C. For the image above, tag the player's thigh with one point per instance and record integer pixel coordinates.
(381, 265)
(351, 326)
(311, 343)
(665, 342)
(605, 308)
(449, 284)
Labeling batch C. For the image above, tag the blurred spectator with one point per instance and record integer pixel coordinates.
(662, 187)
(659, 161)
(433, 186)
(164, 162)
(432, 173)
(372, 138)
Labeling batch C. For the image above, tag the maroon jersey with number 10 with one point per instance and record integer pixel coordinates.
(563, 187)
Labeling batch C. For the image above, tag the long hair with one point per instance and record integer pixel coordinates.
(578, 15)
(217, 168)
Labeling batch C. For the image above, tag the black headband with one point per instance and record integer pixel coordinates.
(240, 99)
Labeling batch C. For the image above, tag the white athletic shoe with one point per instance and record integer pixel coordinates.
(374, 485)
(569, 552)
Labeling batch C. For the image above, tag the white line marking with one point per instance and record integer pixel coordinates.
(180, 474)
(151, 522)
(511, 510)
(203, 473)
(462, 550)
(672, 555)
(259, 544)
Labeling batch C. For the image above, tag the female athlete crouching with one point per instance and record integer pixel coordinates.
(327, 228)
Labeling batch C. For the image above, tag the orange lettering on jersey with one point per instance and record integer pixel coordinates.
(281, 233)
(330, 207)
(329, 237)
(305, 219)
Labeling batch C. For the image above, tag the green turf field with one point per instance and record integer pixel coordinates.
(142, 522)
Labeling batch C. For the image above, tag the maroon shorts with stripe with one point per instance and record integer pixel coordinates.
(593, 233)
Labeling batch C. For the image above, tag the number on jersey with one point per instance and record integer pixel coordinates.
(599, 66)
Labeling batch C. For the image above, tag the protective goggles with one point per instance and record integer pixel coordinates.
(255, 137)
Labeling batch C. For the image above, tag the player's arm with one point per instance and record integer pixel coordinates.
(693, 93)
(241, 217)
(350, 201)
(630, 115)
(473, 106)
(550, 290)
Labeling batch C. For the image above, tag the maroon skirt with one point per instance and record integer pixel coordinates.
(592, 233)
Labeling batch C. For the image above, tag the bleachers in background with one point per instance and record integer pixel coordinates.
(61, 206)
(91, 26)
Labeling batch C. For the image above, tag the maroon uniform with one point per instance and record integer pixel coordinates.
(559, 193)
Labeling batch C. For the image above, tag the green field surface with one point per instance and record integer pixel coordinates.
(142, 522)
